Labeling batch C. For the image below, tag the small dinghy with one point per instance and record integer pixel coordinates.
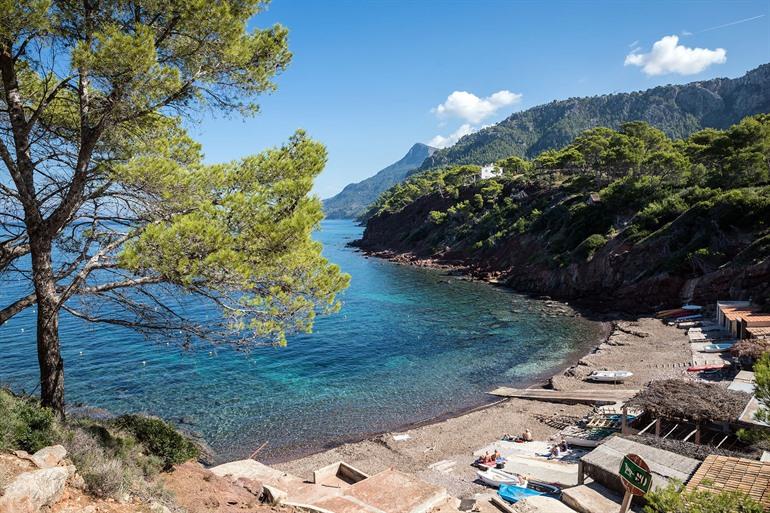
(716, 348)
(514, 494)
(610, 376)
(545, 488)
(708, 368)
(494, 478)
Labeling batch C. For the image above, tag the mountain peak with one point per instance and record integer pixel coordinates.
(356, 197)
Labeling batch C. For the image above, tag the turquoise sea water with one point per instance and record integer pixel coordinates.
(409, 345)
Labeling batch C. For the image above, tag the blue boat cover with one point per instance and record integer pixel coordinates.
(513, 493)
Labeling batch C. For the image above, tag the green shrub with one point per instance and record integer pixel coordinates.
(590, 246)
(159, 438)
(672, 500)
(24, 424)
(436, 216)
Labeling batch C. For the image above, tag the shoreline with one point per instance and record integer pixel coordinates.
(646, 347)
(643, 345)
(540, 380)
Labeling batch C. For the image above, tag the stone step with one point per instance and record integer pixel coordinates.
(444, 466)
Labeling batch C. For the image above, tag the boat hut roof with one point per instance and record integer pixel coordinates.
(737, 312)
(758, 331)
(693, 401)
(664, 465)
(725, 473)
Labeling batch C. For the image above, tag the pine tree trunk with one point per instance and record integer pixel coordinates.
(48, 348)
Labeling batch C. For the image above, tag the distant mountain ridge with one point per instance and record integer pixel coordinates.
(678, 110)
(354, 198)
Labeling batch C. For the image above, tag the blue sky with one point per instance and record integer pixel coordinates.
(367, 76)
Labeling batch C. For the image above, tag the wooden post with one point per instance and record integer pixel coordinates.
(626, 502)
(624, 422)
(657, 427)
(697, 432)
(581, 475)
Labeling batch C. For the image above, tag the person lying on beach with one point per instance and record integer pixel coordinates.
(524, 437)
(555, 451)
(563, 447)
(487, 459)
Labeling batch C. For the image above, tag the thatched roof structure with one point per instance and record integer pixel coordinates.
(750, 348)
(684, 400)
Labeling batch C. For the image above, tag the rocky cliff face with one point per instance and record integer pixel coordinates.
(620, 275)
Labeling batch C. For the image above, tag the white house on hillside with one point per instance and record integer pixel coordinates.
(490, 171)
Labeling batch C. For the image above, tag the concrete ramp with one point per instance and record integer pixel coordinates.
(593, 498)
(594, 396)
(547, 505)
(528, 460)
(389, 491)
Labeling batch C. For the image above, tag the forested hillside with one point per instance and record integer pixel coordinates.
(677, 110)
(627, 217)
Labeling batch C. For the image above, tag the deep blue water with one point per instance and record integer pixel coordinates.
(409, 345)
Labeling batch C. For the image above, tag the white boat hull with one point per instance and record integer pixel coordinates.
(611, 376)
(495, 478)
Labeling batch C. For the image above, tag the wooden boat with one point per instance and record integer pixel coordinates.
(610, 376)
(514, 494)
(684, 318)
(494, 478)
(544, 488)
(663, 314)
(708, 367)
(716, 348)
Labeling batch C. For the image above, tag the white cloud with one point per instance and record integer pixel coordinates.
(471, 108)
(668, 56)
(441, 141)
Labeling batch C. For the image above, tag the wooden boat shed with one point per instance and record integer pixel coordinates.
(603, 463)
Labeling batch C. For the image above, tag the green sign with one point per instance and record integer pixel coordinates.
(635, 475)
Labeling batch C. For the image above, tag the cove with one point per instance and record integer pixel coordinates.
(409, 345)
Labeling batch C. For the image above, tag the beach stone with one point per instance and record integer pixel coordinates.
(31, 491)
(274, 496)
(48, 457)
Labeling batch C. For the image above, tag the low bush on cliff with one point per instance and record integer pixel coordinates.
(24, 424)
(674, 500)
(159, 438)
(115, 457)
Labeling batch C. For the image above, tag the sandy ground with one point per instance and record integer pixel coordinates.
(646, 347)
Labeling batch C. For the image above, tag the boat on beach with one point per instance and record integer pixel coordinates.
(513, 494)
(708, 367)
(495, 477)
(617, 376)
(716, 348)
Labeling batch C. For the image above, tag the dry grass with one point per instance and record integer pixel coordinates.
(750, 348)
